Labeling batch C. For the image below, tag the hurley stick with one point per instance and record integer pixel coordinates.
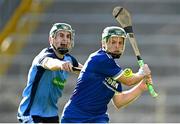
(124, 19)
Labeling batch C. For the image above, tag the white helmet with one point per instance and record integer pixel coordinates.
(64, 27)
(114, 31)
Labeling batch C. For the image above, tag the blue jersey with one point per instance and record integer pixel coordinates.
(94, 90)
(44, 87)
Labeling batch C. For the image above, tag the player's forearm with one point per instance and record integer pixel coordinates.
(127, 97)
(129, 78)
(51, 64)
(136, 78)
(132, 80)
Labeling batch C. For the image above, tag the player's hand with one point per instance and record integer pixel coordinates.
(66, 66)
(144, 70)
(149, 79)
(143, 85)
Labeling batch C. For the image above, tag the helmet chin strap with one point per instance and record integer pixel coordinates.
(115, 56)
(61, 51)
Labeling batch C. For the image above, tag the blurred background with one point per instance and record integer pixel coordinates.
(24, 28)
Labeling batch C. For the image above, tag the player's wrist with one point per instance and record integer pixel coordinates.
(141, 72)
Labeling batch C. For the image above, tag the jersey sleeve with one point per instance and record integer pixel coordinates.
(42, 55)
(74, 61)
(108, 67)
(41, 59)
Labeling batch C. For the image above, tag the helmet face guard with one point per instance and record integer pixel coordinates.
(62, 27)
(114, 31)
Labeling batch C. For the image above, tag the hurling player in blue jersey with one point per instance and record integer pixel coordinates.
(47, 77)
(100, 80)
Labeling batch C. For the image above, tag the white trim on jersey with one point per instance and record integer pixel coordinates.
(118, 75)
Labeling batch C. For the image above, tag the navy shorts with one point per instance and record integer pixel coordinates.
(38, 119)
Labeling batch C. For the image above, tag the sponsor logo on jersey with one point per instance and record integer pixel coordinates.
(59, 82)
(113, 84)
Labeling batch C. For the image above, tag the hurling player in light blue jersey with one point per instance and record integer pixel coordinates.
(47, 77)
(100, 80)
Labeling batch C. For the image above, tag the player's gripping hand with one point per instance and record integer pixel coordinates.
(144, 70)
(66, 66)
(147, 79)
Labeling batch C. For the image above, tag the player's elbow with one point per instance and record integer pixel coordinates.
(118, 106)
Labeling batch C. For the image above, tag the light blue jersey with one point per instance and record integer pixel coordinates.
(94, 90)
(44, 87)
